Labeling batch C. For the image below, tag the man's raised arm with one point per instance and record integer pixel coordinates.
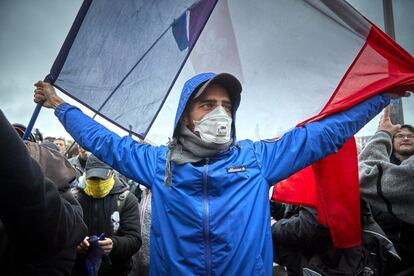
(304, 145)
(132, 159)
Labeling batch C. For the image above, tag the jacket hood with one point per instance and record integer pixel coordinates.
(189, 87)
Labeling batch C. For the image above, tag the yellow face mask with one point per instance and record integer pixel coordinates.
(99, 188)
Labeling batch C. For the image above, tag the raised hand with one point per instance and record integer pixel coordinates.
(386, 124)
(44, 92)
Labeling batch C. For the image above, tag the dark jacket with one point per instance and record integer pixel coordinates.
(40, 226)
(402, 236)
(304, 246)
(296, 235)
(101, 216)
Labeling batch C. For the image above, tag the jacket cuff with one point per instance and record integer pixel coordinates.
(61, 109)
(384, 131)
(115, 243)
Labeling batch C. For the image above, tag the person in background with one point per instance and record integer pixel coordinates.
(304, 246)
(79, 161)
(72, 150)
(386, 171)
(21, 129)
(112, 213)
(40, 222)
(61, 144)
(49, 139)
(141, 260)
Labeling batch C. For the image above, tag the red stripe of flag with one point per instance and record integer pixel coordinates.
(381, 66)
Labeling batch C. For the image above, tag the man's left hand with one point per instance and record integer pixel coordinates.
(397, 95)
(106, 245)
(385, 123)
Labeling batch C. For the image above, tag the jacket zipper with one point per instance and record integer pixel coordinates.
(206, 220)
(94, 216)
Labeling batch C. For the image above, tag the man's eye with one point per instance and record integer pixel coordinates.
(227, 107)
(207, 105)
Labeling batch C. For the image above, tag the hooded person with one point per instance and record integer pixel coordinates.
(111, 213)
(210, 192)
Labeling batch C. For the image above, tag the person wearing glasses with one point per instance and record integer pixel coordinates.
(386, 171)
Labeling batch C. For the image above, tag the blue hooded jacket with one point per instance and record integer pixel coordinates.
(215, 218)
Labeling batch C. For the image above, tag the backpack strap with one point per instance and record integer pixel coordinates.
(121, 200)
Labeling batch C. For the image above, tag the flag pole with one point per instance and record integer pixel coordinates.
(397, 115)
(32, 121)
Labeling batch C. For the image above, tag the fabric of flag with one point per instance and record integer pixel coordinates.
(380, 65)
(121, 57)
(332, 187)
(217, 50)
(299, 61)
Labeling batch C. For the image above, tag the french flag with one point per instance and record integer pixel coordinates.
(315, 58)
(332, 184)
(299, 61)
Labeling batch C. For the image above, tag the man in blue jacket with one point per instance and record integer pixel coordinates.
(210, 201)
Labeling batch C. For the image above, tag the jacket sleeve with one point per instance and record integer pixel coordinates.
(304, 145)
(132, 159)
(128, 239)
(277, 210)
(38, 220)
(386, 186)
(377, 151)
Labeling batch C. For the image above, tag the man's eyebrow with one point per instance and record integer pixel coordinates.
(206, 101)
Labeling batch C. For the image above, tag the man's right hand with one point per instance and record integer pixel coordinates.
(83, 246)
(44, 92)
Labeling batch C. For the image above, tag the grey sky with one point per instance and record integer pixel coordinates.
(31, 34)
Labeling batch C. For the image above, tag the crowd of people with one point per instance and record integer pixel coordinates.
(202, 203)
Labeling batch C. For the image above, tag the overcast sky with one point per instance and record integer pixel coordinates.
(31, 34)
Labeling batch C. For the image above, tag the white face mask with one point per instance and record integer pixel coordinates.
(214, 127)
